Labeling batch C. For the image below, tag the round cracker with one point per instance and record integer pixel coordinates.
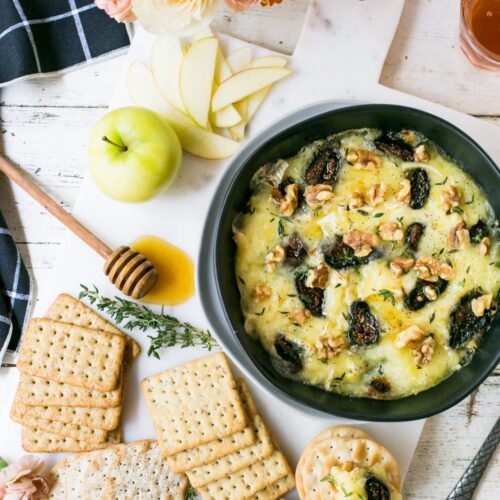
(325, 454)
(338, 432)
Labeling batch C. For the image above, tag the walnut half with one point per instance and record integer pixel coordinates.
(459, 236)
(391, 231)
(364, 160)
(274, 257)
(404, 194)
(328, 346)
(422, 346)
(450, 198)
(317, 195)
(361, 242)
(317, 277)
(401, 265)
(430, 269)
(261, 292)
(480, 305)
(289, 202)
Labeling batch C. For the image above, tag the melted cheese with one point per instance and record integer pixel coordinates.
(262, 228)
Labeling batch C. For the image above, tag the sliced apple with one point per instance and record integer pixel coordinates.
(225, 117)
(204, 33)
(228, 116)
(197, 77)
(166, 61)
(255, 100)
(200, 142)
(269, 62)
(244, 83)
(239, 59)
(144, 92)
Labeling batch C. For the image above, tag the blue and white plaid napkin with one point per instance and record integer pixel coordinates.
(15, 293)
(50, 36)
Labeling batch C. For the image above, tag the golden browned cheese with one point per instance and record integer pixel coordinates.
(269, 299)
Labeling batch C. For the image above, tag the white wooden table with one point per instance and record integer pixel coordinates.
(44, 126)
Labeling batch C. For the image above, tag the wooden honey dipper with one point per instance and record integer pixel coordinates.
(127, 269)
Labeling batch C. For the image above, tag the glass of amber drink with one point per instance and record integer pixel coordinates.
(480, 32)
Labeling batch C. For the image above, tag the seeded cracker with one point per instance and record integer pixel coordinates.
(99, 418)
(196, 457)
(75, 431)
(37, 391)
(129, 471)
(75, 355)
(277, 489)
(248, 481)
(67, 309)
(37, 441)
(223, 466)
(205, 401)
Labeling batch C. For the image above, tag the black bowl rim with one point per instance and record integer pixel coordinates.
(210, 241)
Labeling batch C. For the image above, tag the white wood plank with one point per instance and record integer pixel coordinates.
(45, 124)
(426, 60)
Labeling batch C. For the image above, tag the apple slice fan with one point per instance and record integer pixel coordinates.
(127, 269)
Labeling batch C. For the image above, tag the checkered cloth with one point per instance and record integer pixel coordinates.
(15, 292)
(49, 36)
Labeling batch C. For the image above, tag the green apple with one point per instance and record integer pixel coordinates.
(133, 154)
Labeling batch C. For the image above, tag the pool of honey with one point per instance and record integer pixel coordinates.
(175, 271)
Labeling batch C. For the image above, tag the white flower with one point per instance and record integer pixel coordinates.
(178, 17)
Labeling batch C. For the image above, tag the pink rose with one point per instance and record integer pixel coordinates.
(21, 481)
(119, 10)
(240, 5)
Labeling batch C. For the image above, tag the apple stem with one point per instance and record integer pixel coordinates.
(119, 146)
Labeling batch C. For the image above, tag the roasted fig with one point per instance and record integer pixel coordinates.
(464, 324)
(338, 255)
(413, 235)
(290, 352)
(376, 489)
(295, 250)
(479, 231)
(420, 187)
(363, 328)
(312, 298)
(395, 147)
(418, 297)
(324, 168)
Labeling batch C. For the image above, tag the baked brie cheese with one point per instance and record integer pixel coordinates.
(367, 263)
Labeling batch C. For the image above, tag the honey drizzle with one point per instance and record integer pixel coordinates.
(175, 271)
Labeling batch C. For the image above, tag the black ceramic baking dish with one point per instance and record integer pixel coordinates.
(217, 283)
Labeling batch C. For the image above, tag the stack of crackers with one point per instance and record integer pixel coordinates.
(72, 365)
(207, 426)
(346, 462)
(125, 471)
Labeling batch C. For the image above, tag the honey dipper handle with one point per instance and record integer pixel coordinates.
(17, 176)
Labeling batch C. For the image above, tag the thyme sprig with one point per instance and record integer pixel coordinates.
(169, 330)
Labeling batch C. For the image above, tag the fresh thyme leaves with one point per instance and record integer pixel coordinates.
(363, 212)
(441, 183)
(378, 214)
(456, 210)
(169, 330)
(433, 315)
(330, 479)
(281, 228)
(387, 295)
(190, 493)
